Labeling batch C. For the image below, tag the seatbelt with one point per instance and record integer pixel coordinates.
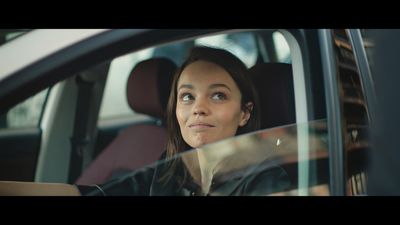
(80, 139)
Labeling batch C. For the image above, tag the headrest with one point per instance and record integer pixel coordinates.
(274, 84)
(149, 85)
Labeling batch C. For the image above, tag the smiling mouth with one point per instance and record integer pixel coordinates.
(201, 126)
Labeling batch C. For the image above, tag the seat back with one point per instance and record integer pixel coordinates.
(138, 145)
(274, 84)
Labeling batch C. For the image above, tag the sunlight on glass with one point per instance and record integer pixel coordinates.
(282, 47)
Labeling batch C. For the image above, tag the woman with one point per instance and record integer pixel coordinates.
(211, 99)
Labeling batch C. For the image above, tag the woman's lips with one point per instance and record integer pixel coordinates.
(201, 126)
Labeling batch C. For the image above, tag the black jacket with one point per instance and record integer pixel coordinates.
(258, 180)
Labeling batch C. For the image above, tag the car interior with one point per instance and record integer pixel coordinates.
(147, 92)
(73, 144)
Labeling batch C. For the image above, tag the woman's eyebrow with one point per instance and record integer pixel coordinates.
(219, 85)
(189, 86)
(212, 86)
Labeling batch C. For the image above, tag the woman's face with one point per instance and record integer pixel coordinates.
(208, 104)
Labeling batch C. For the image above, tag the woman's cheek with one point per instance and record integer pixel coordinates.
(182, 114)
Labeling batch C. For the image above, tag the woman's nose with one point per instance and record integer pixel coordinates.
(201, 107)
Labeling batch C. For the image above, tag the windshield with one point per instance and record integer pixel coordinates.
(287, 160)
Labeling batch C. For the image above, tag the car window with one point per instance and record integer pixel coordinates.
(243, 45)
(306, 158)
(114, 103)
(281, 47)
(27, 113)
(260, 163)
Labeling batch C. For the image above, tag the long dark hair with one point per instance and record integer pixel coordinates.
(236, 69)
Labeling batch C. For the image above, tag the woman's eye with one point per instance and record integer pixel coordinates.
(219, 96)
(186, 97)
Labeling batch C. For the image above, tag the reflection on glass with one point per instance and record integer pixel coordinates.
(248, 157)
(256, 164)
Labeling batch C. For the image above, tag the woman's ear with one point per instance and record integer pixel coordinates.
(246, 114)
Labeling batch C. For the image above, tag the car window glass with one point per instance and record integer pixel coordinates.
(281, 47)
(259, 163)
(27, 113)
(310, 176)
(114, 103)
(175, 51)
(242, 45)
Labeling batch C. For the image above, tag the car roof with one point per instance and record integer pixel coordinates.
(37, 44)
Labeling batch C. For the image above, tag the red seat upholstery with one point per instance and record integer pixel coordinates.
(138, 145)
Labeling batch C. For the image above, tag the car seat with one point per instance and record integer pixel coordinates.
(148, 90)
(274, 85)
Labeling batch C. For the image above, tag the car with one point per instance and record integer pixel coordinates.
(64, 105)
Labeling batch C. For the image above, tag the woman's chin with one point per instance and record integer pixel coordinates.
(201, 143)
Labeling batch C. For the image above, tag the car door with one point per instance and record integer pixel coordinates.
(20, 138)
